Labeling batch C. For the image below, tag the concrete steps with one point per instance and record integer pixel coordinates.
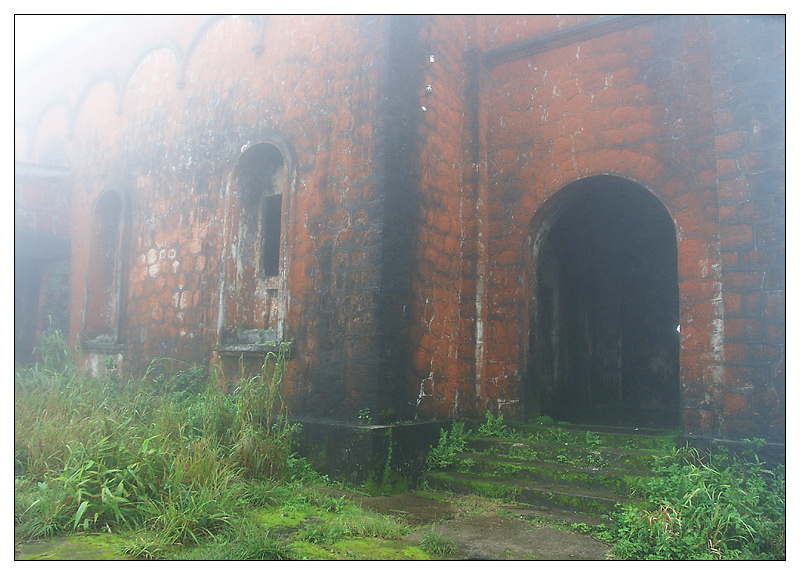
(561, 469)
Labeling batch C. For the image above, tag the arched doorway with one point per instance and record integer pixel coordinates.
(604, 313)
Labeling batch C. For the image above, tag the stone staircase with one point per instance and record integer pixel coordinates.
(567, 473)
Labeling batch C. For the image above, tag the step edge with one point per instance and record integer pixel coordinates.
(590, 493)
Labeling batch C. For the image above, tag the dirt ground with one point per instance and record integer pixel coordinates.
(480, 528)
(484, 530)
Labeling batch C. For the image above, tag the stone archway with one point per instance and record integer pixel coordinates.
(603, 343)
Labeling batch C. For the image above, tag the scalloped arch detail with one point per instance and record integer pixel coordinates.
(34, 130)
(167, 45)
(257, 23)
(106, 79)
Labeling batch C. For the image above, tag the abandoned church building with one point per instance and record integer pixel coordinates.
(574, 216)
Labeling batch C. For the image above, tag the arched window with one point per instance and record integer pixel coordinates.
(252, 294)
(258, 183)
(103, 292)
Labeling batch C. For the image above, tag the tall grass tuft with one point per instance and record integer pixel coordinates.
(169, 452)
(354, 521)
(243, 541)
(716, 507)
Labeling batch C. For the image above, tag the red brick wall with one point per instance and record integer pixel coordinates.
(164, 118)
(637, 103)
(633, 103)
(443, 377)
(408, 291)
(749, 124)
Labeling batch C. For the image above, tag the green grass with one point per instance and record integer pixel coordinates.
(171, 467)
(169, 454)
(702, 506)
(243, 541)
(176, 469)
(437, 544)
(354, 522)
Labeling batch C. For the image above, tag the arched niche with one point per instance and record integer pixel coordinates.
(253, 286)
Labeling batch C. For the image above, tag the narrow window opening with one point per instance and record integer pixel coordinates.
(271, 236)
(102, 288)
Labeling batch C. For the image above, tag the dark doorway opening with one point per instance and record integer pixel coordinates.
(604, 339)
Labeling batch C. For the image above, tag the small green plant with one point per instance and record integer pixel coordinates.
(493, 426)
(450, 444)
(437, 544)
(580, 528)
(466, 464)
(300, 470)
(364, 418)
(595, 459)
(593, 439)
(591, 459)
(523, 450)
(559, 435)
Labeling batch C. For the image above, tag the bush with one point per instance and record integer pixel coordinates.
(450, 444)
(493, 427)
(716, 507)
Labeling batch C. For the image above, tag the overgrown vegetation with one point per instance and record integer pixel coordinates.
(183, 470)
(693, 506)
(718, 506)
(169, 457)
(493, 427)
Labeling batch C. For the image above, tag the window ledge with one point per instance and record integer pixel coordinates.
(249, 342)
(99, 346)
(253, 349)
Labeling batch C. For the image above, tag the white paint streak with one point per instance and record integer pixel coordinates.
(479, 345)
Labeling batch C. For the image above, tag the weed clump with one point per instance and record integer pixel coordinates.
(437, 544)
(450, 445)
(243, 541)
(718, 506)
(354, 522)
(493, 427)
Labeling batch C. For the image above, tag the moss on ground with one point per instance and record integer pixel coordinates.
(380, 549)
(77, 547)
